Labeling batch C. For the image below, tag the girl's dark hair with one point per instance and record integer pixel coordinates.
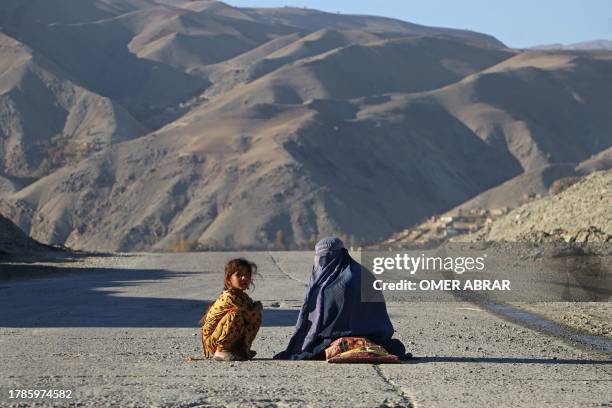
(236, 265)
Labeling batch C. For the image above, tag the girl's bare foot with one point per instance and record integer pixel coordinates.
(226, 356)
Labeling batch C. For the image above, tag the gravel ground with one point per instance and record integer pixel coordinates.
(118, 331)
(593, 318)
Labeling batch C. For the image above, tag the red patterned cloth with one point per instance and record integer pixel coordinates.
(357, 350)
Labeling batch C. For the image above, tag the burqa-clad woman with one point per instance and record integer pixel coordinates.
(333, 307)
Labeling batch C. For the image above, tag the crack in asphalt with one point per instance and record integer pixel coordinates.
(275, 262)
(405, 400)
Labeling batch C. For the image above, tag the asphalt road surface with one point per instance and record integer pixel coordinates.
(118, 331)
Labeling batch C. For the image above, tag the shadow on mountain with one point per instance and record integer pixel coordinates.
(93, 299)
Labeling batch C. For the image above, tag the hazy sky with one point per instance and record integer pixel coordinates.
(518, 23)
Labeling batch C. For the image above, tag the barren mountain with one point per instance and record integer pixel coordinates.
(273, 127)
(412, 64)
(96, 55)
(537, 182)
(512, 192)
(277, 53)
(542, 107)
(135, 51)
(47, 119)
(484, 208)
(270, 175)
(316, 20)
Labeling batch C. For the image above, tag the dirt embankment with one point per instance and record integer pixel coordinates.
(579, 214)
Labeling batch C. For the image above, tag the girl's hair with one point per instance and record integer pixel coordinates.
(235, 265)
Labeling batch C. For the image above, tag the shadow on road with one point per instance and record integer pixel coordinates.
(89, 297)
(502, 360)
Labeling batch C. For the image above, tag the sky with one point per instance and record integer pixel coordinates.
(517, 23)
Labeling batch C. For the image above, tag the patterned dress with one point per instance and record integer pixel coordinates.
(230, 324)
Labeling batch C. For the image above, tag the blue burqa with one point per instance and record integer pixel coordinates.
(333, 308)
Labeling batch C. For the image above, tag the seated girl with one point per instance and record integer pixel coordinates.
(333, 309)
(233, 320)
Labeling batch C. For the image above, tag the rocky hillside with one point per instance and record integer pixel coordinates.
(47, 119)
(268, 128)
(14, 241)
(580, 213)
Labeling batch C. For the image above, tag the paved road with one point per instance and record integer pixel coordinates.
(119, 331)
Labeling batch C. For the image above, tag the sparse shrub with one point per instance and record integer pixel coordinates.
(184, 245)
(280, 240)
